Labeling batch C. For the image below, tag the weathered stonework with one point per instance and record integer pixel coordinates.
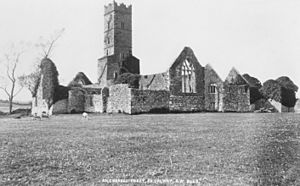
(118, 57)
(213, 90)
(76, 100)
(186, 103)
(236, 93)
(93, 103)
(145, 101)
(179, 99)
(236, 98)
(119, 100)
(155, 82)
(123, 99)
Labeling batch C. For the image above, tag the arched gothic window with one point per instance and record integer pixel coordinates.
(188, 77)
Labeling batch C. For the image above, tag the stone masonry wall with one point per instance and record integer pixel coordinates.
(119, 100)
(144, 101)
(236, 99)
(186, 103)
(154, 82)
(76, 101)
(93, 103)
(211, 78)
(39, 104)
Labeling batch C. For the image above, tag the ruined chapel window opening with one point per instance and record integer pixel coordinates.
(122, 25)
(188, 77)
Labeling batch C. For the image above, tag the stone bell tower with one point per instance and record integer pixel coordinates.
(118, 56)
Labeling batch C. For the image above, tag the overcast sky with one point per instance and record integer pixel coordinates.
(259, 37)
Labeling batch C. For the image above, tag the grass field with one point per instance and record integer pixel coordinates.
(208, 148)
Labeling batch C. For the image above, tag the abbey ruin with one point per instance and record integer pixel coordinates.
(186, 86)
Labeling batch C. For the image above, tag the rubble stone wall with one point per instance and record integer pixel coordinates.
(236, 99)
(93, 103)
(119, 100)
(186, 103)
(143, 101)
(76, 101)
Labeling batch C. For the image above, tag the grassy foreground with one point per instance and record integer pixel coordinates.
(209, 149)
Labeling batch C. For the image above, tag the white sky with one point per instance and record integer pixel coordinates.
(259, 37)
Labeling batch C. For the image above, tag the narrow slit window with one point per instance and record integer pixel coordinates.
(91, 101)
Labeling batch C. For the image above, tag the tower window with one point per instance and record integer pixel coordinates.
(107, 52)
(122, 25)
(108, 40)
(188, 77)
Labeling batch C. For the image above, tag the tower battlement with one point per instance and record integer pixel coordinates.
(117, 7)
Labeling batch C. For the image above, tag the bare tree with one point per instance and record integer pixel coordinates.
(48, 45)
(8, 85)
(32, 80)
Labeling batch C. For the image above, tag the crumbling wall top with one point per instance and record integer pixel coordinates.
(118, 7)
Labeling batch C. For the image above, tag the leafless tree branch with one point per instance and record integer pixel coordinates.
(12, 60)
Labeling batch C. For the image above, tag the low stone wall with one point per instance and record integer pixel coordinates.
(145, 101)
(186, 103)
(119, 100)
